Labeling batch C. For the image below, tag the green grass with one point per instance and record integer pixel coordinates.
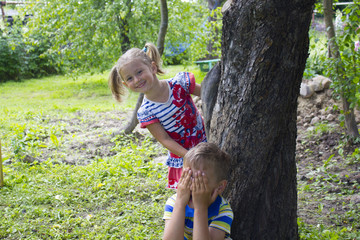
(120, 196)
(116, 197)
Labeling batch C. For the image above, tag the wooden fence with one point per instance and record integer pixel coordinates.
(1, 169)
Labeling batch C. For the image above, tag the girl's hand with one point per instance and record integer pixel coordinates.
(202, 196)
(183, 187)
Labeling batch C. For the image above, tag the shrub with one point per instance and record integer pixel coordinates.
(10, 57)
(22, 58)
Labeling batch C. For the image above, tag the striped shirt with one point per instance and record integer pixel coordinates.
(178, 115)
(220, 216)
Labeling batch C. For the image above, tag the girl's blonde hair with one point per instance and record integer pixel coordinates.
(147, 55)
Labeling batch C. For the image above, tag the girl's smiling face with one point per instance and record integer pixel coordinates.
(138, 76)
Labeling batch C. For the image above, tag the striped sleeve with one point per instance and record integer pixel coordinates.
(224, 219)
(145, 116)
(169, 207)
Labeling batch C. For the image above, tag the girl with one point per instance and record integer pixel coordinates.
(167, 110)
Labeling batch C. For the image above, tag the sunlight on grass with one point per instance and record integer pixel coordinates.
(118, 195)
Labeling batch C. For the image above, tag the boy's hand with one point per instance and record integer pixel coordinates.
(183, 187)
(201, 194)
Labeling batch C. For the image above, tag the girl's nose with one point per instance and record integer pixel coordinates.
(136, 79)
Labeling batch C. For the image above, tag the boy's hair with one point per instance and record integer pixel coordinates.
(147, 55)
(210, 155)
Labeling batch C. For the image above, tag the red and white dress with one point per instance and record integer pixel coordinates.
(179, 117)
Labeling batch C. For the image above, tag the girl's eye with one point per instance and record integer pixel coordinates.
(129, 79)
(139, 72)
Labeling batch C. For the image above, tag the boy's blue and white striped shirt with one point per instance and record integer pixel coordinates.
(220, 216)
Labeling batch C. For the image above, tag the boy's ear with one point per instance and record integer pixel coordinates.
(222, 186)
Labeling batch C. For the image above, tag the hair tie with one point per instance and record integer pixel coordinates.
(145, 49)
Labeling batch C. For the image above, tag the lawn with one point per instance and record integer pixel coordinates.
(66, 177)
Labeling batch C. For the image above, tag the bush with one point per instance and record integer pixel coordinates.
(10, 57)
(22, 58)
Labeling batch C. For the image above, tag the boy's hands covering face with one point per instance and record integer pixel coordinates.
(183, 187)
(202, 195)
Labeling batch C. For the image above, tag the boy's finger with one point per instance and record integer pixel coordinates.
(197, 180)
(188, 178)
(202, 183)
(184, 173)
(205, 180)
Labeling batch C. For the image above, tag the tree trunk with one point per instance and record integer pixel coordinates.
(212, 5)
(350, 122)
(131, 125)
(264, 51)
(160, 45)
(124, 27)
(163, 26)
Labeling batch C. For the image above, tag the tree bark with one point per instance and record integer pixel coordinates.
(131, 125)
(264, 51)
(350, 122)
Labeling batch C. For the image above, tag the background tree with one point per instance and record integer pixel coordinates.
(92, 34)
(264, 51)
(344, 75)
(163, 26)
(213, 19)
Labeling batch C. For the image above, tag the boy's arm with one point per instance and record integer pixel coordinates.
(174, 227)
(158, 131)
(202, 198)
(201, 229)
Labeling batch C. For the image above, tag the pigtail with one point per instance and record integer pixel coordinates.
(115, 84)
(153, 53)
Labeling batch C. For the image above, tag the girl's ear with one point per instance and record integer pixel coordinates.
(153, 67)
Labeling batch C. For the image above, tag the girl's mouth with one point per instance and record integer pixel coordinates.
(141, 84)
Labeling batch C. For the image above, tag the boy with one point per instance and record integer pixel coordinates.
(198, 211)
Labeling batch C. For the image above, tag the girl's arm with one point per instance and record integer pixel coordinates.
(158, 131)
(197, 90)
